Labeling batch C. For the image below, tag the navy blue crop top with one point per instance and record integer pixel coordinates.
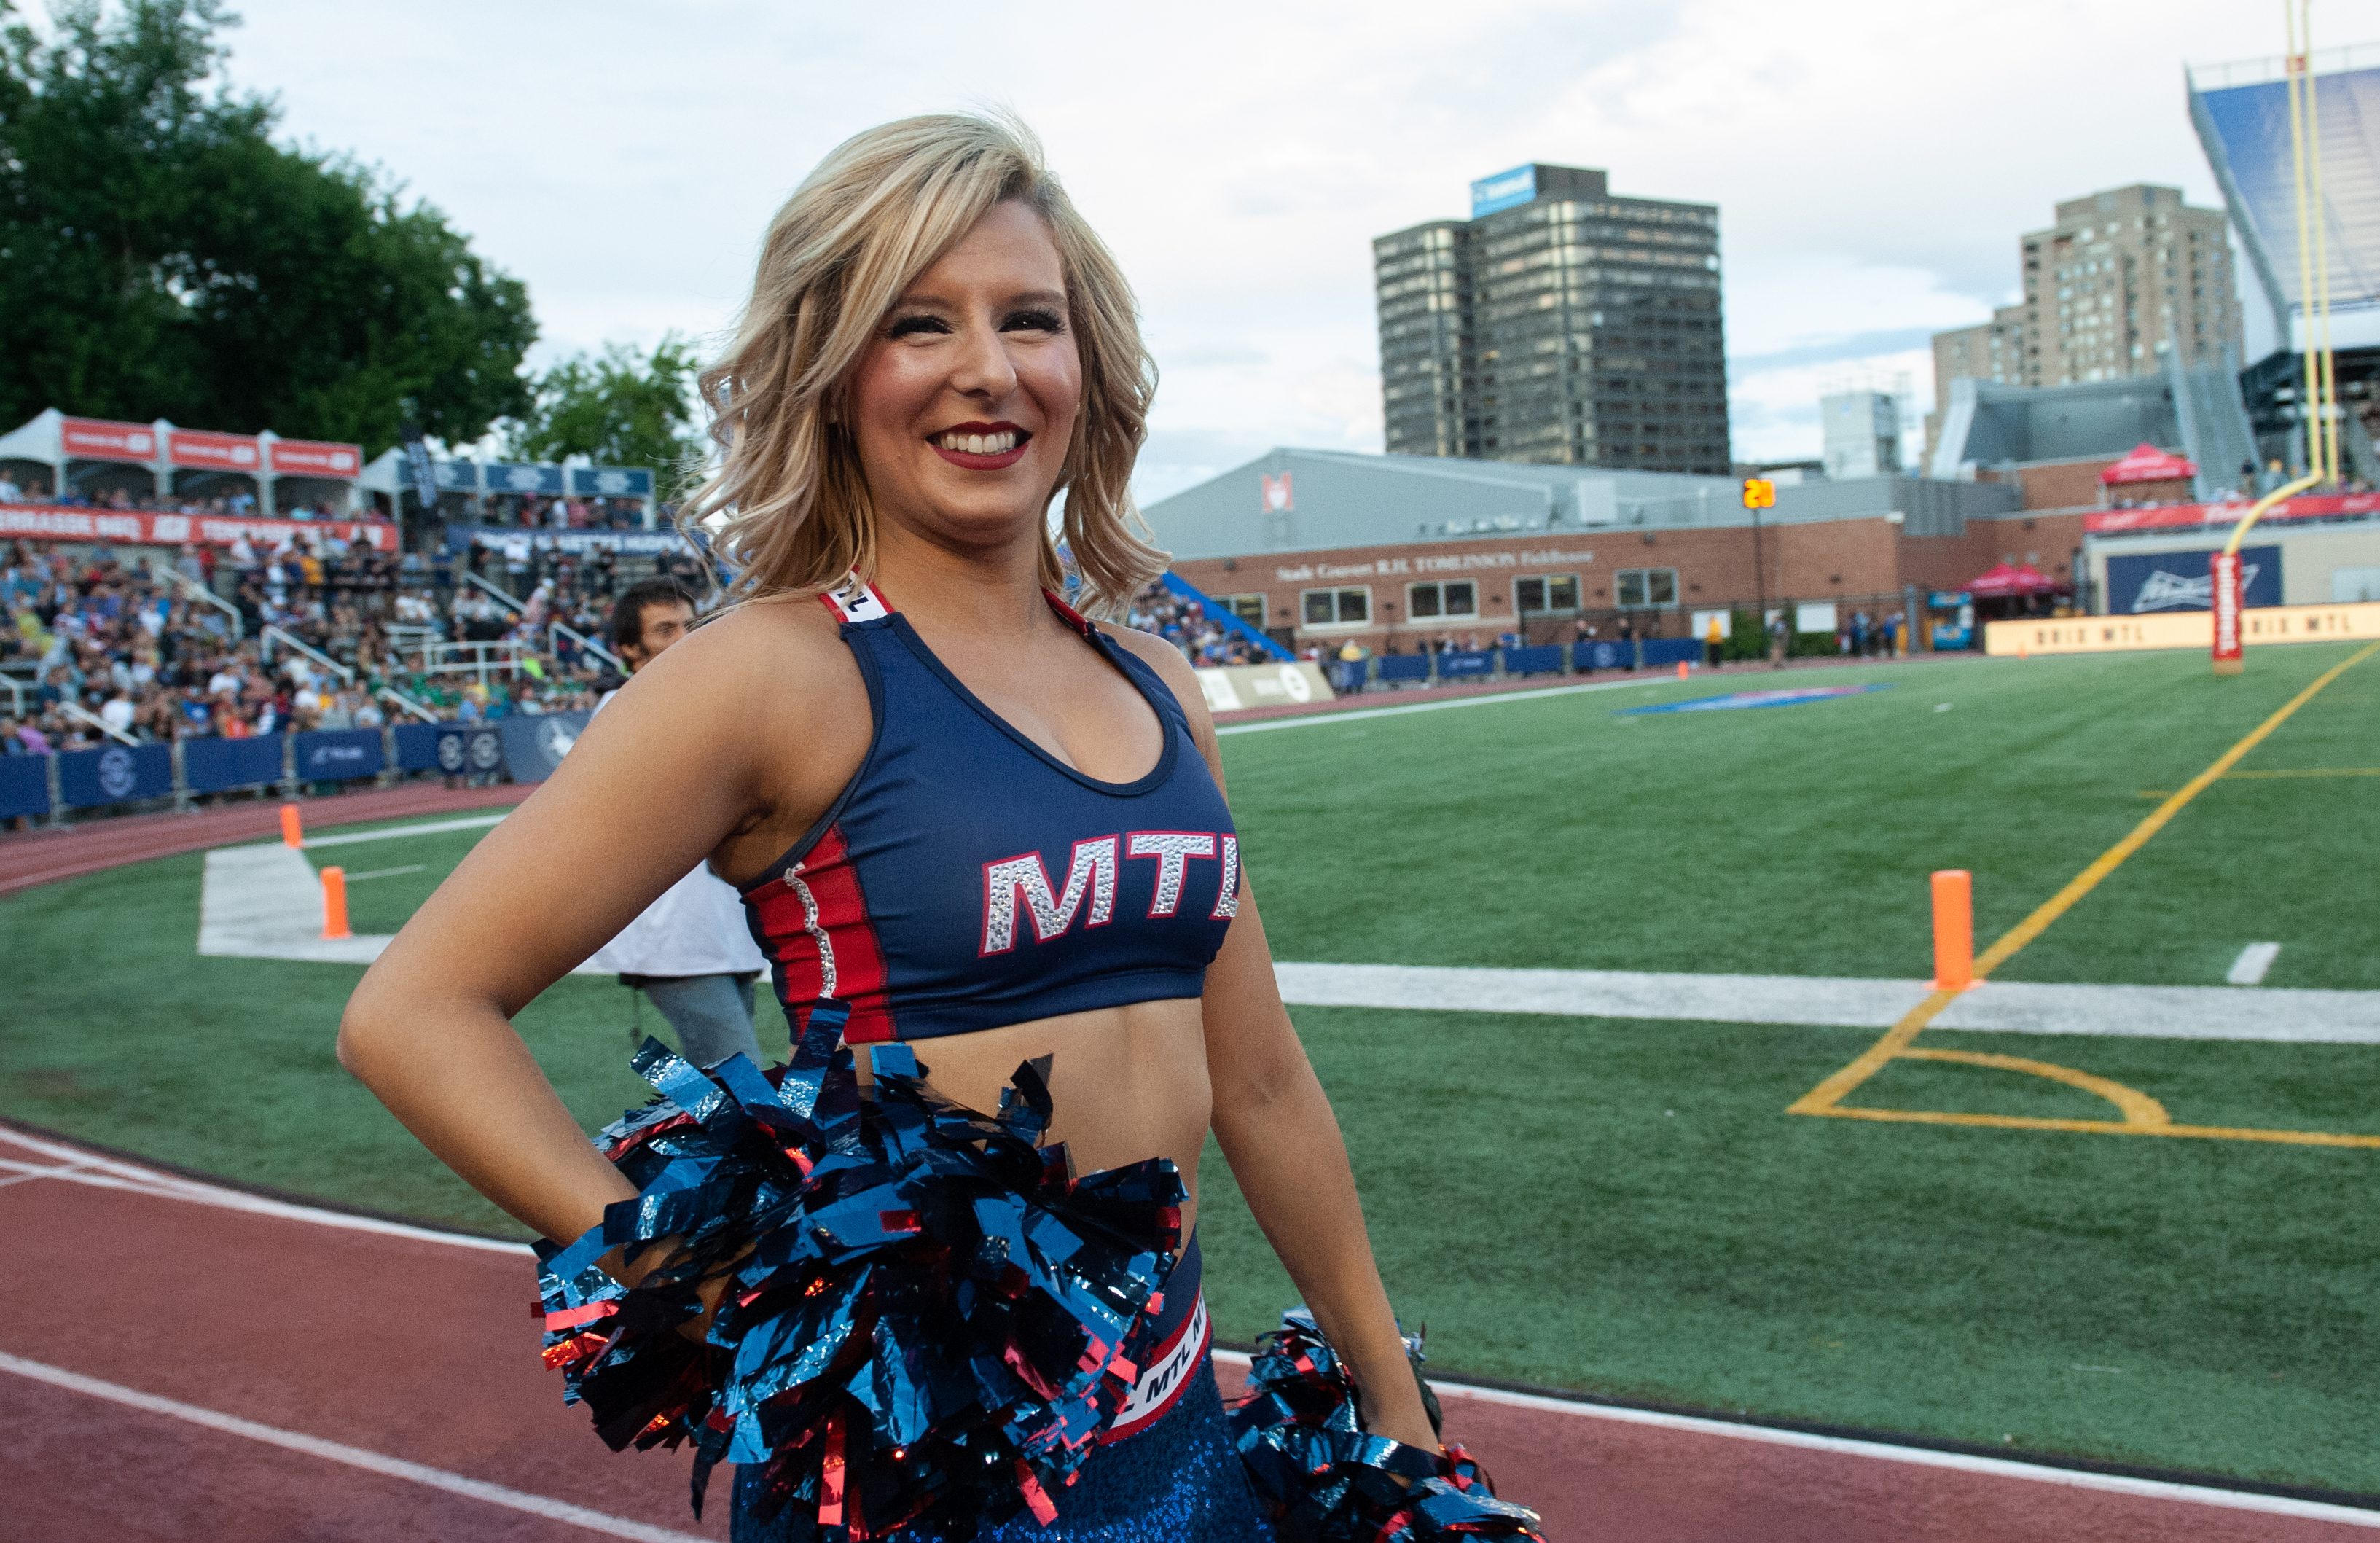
(966, 879)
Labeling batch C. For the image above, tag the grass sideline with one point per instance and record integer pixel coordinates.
(1533, 1196)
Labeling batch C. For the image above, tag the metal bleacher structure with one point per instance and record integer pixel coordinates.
(2241, 115)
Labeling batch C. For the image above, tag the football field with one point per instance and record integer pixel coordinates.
(2132, 1225)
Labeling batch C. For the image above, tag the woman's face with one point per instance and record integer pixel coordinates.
(963, 405)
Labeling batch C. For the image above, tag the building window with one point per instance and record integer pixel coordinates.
(1457, 599)
(1336, 607)
(1553, 591)
(1247, 608)
(1644, 589)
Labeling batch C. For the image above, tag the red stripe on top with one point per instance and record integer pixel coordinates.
(859, 975)
(1073, 617)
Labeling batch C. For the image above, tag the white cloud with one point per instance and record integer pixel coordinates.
(1874, 162)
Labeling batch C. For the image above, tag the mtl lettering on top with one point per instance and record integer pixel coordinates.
(1091, 883)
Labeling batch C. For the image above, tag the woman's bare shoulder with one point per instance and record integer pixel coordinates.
(1174, 670)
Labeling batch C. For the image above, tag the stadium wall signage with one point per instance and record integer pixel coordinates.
(2184, 516)
(2182, 629)
(1459, 561)
(58, 522)
(1234, 687)
(2142, 583)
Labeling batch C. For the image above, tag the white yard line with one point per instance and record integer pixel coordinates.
(78, 1166)
(84, 1167)
(2253, 961)
(385, 872)
(353, 1457)
(1996, 1006)
(265, 902)
(1525, 694)
(422, 828)
(1851, 1446)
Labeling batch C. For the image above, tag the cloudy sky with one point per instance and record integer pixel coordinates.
(1873, 162)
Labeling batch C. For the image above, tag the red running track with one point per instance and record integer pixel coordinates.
(182, 1361)
(296, 1328)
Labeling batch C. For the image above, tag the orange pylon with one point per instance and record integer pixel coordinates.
(335, 902)
(1954, 929)
(292, 829)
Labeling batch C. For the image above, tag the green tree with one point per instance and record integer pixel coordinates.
(618, 407)
(161, 257)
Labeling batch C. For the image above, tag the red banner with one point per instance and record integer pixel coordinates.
(96, 439)
(2108, 522)
(2224, 568)
(51, 522)
(210, 452)
(306, 458)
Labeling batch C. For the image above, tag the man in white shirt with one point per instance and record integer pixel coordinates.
(691, 951)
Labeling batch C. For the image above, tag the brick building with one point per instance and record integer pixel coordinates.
(1321, 547)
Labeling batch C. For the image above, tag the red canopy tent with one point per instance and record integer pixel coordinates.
(2003, 579)
(2146, 462)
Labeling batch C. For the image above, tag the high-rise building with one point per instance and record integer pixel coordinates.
(2120, 279)
(1860, 433)
(2121, 276)
(1560, 324)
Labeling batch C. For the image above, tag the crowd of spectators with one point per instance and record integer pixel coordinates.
(502, 509)
(143, 653)
(1184, 624)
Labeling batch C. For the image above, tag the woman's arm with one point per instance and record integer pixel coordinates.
(1275, 1126)
(1277, 1131)
(669, 772)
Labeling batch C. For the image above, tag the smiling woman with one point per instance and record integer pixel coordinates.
(983, 842)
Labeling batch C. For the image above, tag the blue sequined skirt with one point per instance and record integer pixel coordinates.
(1179, 1481)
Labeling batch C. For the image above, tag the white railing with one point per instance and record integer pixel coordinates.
(392, 695)
(585, 642)
(273, 633)
(503, 597)
(480, 659)
(76, 710)
(238, 626)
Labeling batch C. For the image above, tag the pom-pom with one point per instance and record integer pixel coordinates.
(1327, 1480)
(922, 1310)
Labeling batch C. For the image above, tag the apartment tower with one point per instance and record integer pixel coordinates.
(1557, 324)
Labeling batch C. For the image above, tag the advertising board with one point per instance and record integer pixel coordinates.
(2142, 583)
(2182, 629)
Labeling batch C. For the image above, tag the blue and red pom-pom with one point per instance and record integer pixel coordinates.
(1328, 1480)
(921, 1311)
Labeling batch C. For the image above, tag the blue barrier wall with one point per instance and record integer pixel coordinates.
(1601, 654)
(335, 755)
(1544, 661)
(1671, 650)
(114, 774)
(24, 786)
(534, 746)
(213, 765)
(417, 747)
(1403, 666)
(1466, 666)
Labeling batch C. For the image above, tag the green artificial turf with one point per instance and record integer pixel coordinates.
(1560, 832)
(1617, 1206)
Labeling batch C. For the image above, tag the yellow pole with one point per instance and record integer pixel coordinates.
(2327, 405)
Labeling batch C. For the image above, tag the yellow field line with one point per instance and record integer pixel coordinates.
(2105, 1127)
(2278, 773)
(1826, 1098)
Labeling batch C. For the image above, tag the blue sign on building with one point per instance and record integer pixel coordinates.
(518, 478)
(1503, 191)
(2138, 585)
(612, 482)
(458, 476)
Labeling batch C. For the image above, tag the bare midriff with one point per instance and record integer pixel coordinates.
(1125, 1083)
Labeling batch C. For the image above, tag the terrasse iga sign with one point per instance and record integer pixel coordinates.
(53, 522)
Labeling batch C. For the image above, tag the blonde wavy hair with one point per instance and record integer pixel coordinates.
(876, 212)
